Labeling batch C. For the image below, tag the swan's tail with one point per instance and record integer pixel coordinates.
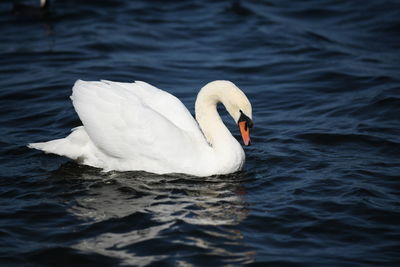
(72, 146)
(53, 146)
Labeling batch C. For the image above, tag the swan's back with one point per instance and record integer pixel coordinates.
(160, 101)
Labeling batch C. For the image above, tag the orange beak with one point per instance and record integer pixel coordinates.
(245, 131)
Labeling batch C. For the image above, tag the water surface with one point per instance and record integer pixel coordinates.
(321, 180)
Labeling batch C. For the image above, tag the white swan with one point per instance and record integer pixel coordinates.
(136, 126)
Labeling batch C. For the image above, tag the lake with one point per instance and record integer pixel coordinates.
(320, 185)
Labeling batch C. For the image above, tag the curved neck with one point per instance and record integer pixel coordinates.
(210, 122)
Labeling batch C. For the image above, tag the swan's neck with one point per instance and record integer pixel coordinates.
(210, 122)
(42, 3)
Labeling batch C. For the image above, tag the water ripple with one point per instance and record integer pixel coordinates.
(320, 183)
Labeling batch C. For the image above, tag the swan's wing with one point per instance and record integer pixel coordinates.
(120, 122)
(161, 101)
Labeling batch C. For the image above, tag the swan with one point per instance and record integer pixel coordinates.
(136, 126)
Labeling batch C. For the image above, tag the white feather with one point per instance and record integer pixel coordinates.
(136, 126)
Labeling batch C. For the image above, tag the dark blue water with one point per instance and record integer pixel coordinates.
(321, 184)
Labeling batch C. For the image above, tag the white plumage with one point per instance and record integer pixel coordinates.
(136, 126)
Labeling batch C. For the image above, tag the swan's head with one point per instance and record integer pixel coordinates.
(234, 100)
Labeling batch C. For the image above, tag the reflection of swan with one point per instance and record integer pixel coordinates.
(126, 210)
(213, 201)
(136, 126)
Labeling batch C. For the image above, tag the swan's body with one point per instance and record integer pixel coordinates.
(136, 126)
